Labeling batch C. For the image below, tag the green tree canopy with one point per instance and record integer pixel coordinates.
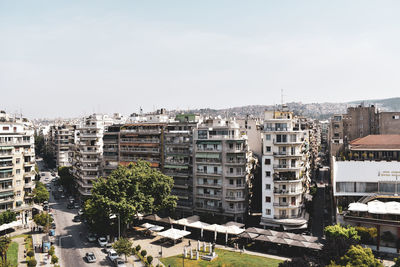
(7, 217)
(40, 193)
(123, 246)
(137, 188)
(358, 256)
(66, 179)
(338, 241)
(43, 219)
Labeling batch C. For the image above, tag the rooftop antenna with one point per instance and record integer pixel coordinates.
(281, 97)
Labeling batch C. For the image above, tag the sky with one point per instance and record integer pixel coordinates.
(73, 58)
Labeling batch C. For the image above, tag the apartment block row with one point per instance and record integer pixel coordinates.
(212, 160)
(17, 164)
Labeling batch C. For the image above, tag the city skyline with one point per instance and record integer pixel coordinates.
(100, 57)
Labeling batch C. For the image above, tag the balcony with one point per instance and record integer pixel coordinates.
(283, 154)
(4, 154)
(211, 185)
(90, 168)
(276, 129)
(29, 163)
(84, 185)
(287, 192)
(29, 174)
(211, 161)
(237, 210)
(17, 143)
(202, 172)
(288, 142)
(84, 192)
(236, 162)
(140, 150)
(7, 199)
(29, 185)
(89, 152)
(6, 165)
(286, 166)
(142, 141)
(90, 135)
(89, 160)
(236, 186)
(209, 149)
(235, 174)
(141, 131)
(209, 196)
(234, 198)
(277, 217)
(288, 179)
(235, 150)
(6, 188)
(286, 205)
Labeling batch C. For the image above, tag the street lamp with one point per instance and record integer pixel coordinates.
(113, 216)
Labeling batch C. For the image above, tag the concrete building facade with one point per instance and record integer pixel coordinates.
(285, 170)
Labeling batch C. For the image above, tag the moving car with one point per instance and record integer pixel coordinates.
(90, 257)
(112, 255)
(77, 218)
(118, 262)
(102, 241)
(80, 212)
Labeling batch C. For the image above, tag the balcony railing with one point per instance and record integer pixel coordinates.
(234, 198)
(137, 140)
(7, 199)
(203, 160)
(217, 196)
(16, 143)
(140, 150)
(210, 184)
(236, 162)
(200, 171)
(286, 166)
(6, 165)
(209, 149)
(276, 129)
(141, 131)
(287, 192)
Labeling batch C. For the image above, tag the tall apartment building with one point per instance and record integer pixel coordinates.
(359, 122)
(89, 152)
(62, 138)
(222, 169)
(178, 142)
(285, 170)
(111, 144)
(17, 164)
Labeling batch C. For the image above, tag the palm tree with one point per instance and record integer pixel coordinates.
(4, 244)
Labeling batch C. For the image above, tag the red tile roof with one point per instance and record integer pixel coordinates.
(377, 142)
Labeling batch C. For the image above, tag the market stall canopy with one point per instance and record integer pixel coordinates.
(255, 230)
(240, 225)
(174, 234)
(264, 238)
(233, 230)
(376, 207)
(168, 220)
(147, 225)
(392, 207)
(357, 206)
(10, 225)
(248, 235)
(156, 228)
(216, 228)
(198, 225)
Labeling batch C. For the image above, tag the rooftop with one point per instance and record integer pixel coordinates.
(377, 142)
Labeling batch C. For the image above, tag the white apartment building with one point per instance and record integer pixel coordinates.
(89, 152)
(221, 169)
(17, 164)
(63, 142)
(285, 176)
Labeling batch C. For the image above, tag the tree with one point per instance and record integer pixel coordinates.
(137, 188)
(40, 193)
(123, 246)
(367, 234)
(338, 241)
(7, 217)
(66, 179)
(396, 262)
(54, 259)
(4, 244)
(43, 219)
(358, 256)
(149, 259)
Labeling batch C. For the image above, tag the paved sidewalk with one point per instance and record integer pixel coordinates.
(21, 250)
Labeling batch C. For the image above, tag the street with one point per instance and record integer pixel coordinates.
(73, 247)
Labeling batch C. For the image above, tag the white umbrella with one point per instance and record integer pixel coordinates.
(226, 236)
(356, 206)
(215, 234)
(201, 232)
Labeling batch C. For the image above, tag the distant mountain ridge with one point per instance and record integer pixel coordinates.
(319, 111)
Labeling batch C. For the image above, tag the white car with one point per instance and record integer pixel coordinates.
(102, 241)
(118, 262)
(112, 255)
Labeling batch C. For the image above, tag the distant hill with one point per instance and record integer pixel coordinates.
(319, 111)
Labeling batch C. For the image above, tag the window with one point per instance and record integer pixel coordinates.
(17, 160)
(268, 137)
(17, 171)
(268, 212)
(284, 199)
(18, 182)
(230, 170)
(267, 162)
(231, 181)
(268, 149)
(5, 128)
(18, 193)
(267, 187)
(230, 146)
(268, 199)
(268, 174)
(231, 206)
(396, 117)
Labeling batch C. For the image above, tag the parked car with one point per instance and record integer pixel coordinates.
(77, 218)
(80, 212)
(112, 255)
(102, 241)
(70, 205)
(91, 237)
(118, 262)
(62, 196)
(76, 205)
(90, 257)
(43, 174)
(108, 247)
(53, 174)
(53, 225)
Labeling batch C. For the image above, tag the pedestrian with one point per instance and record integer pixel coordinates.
(189, 243)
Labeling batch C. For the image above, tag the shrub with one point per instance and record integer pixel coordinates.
(143, 253)
(149, 259)
(367, 234)
(138, 248)
(30, 253)
(32, 263)
(54, 259)
(51, 251)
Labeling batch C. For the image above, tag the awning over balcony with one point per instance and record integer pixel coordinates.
(208, 156)
(208, 142)
(6, 194)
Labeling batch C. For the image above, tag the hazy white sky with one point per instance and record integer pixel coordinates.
(71, 58)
